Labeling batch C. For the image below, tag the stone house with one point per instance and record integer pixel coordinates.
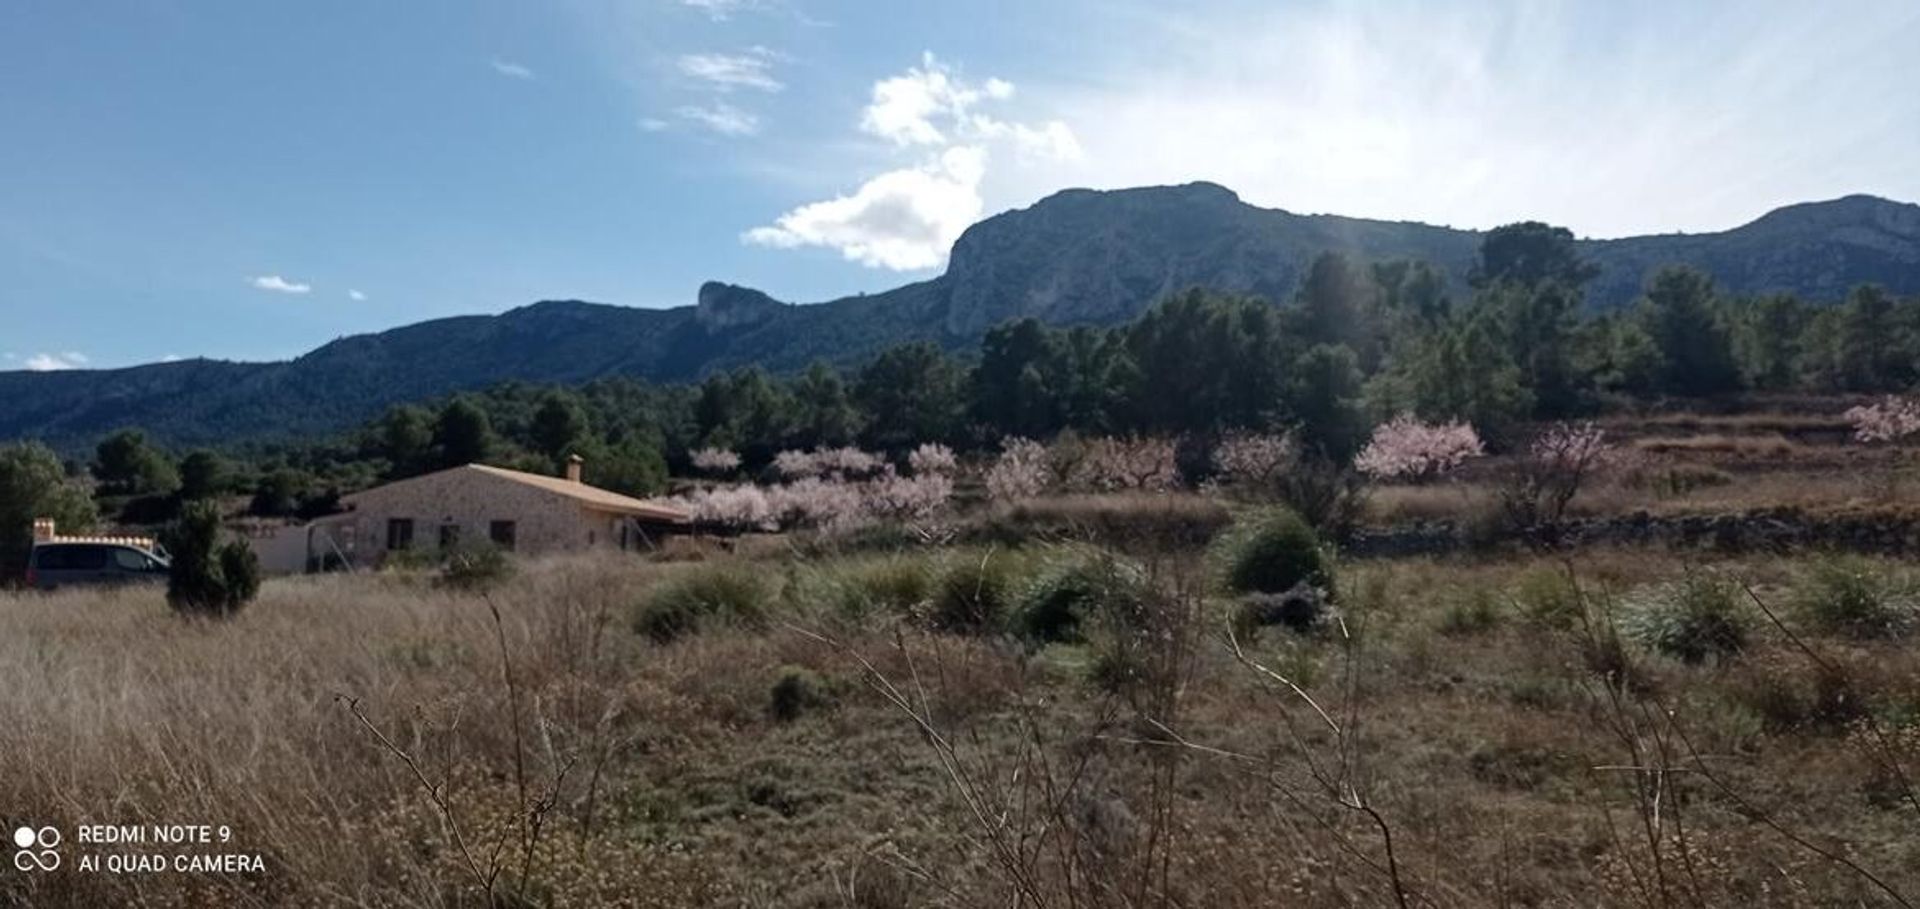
(515, 511)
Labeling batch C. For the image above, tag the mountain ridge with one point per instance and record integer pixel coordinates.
(1078, 256)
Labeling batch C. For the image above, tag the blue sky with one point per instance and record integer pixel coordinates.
(248, 180)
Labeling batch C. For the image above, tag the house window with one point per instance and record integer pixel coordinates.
(449, 537)
(399, 533)
(503, 534)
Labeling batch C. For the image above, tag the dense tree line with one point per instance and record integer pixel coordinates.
(1357, 343)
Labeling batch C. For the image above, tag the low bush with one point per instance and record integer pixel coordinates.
(1273, 551)
(972, 593)
(1065, 594)
(726, 592)
(1473, 611)
(1548, 597)
(1796, 694)
(796, 691)
(858, 587)
(1693, 619)
(476, 568)
(1300, 609)
(1856, 597)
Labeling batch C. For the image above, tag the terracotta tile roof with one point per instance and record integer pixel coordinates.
(590, 496)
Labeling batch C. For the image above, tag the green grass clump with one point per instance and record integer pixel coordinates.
(862, 586)
(719, 592)
(1473, 611)
(1856, 597)
(1273, 551)
(796, 692)
(1548, 597)
(973, 593)
(1699, 617)
(1068, 592)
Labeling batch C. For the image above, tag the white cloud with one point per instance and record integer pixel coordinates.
(654, 124)
(722, 118)
(355, 295)
(726, 72)
(278, 284)
(171, 358)
(53, 362)
(903, 219)
(721, 10)
(908, 218)
(1579, 114)
(510, 69)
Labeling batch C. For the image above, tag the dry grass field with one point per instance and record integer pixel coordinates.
(1510, 732)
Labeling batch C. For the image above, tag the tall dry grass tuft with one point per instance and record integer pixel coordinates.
(118, 712)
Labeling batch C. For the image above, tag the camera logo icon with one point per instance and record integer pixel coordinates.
(36, 849)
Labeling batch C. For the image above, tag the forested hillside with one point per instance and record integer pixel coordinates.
(1078, 258)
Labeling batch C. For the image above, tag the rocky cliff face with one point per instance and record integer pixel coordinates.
(720, 307)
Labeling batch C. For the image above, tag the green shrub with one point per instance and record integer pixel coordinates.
(475, 568)
(855, 587)
(1856, 597)
(1699, 617)
(796, 691)
(1273, 551)
(728, 592)
(1067, 593)
(1475, 611)
(972, 593)
(1547, 596)
(208, 578)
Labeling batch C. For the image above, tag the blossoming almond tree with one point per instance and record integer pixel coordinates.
(1020, 472)
(1550, 474)
(932, 458)
(716, 461)
(1255, 460)
(1133, 464)
(1888, 420)
(1404, 448)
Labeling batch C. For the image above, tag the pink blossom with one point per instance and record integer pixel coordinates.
(1406, 448)
(831, 504)
(1887, 420)
(932, 458)
(1143, 464)
(715, 461)
(1572, 446)
(894, 497)
(1021, 471)
(793, 464)
(1254, 459)
(737, 507)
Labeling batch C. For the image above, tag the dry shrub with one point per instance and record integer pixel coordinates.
(1793, 693)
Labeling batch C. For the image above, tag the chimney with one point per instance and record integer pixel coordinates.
(574, 463)
(43, 530)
